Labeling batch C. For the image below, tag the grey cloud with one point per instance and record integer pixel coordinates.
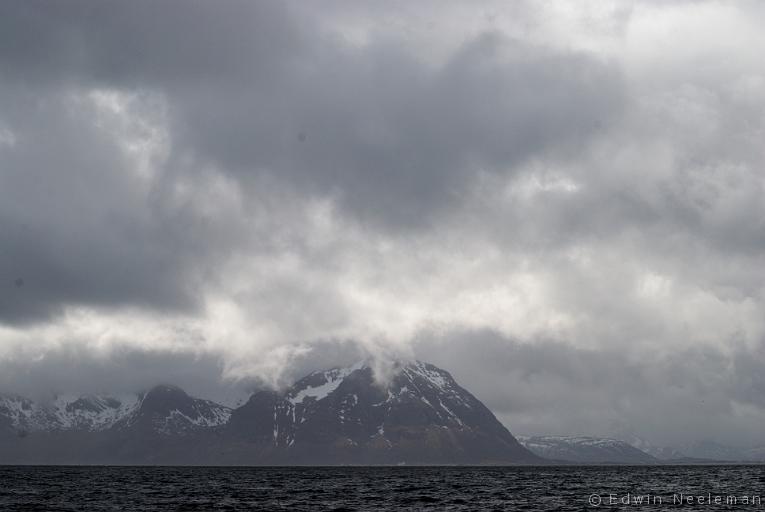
(265, 109)
(143, 43)
(76, 225)
(552, 387)
(396, 139)
(253, 91)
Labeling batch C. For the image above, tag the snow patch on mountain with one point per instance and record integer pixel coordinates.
(216, 416)
(331, 380)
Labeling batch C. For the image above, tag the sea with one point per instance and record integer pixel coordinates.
(452, 488)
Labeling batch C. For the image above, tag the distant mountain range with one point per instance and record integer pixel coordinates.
(339, 416)
(634, 450)
(95, 413)
(420, 415)
(586, 449)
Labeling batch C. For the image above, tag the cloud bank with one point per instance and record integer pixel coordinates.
(559, 203)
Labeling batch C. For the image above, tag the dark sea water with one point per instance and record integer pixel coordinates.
(379, 488)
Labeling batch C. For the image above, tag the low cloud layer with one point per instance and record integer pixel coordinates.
(559, 203)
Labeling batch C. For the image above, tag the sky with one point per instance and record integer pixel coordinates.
(561, 203)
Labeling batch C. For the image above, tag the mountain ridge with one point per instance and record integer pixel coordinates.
(336, 416)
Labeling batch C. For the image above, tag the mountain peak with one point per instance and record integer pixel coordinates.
(419, 414)
(168, 409)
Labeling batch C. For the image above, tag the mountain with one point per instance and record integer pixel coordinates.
(168, 410)
(164, 410)
(586, 449)
(664, 453)
(65, 412)
(420, 415)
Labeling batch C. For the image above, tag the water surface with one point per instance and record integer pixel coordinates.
(561, 488)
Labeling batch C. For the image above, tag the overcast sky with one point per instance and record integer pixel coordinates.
(559, 202)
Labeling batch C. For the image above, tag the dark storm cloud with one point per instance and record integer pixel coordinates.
(142, 43)
(255, 90)
(397, 140)
(76, 226)
(251, 89)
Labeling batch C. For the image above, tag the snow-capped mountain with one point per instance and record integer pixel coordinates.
(585, 449)
(419, 414)
(343, 415)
